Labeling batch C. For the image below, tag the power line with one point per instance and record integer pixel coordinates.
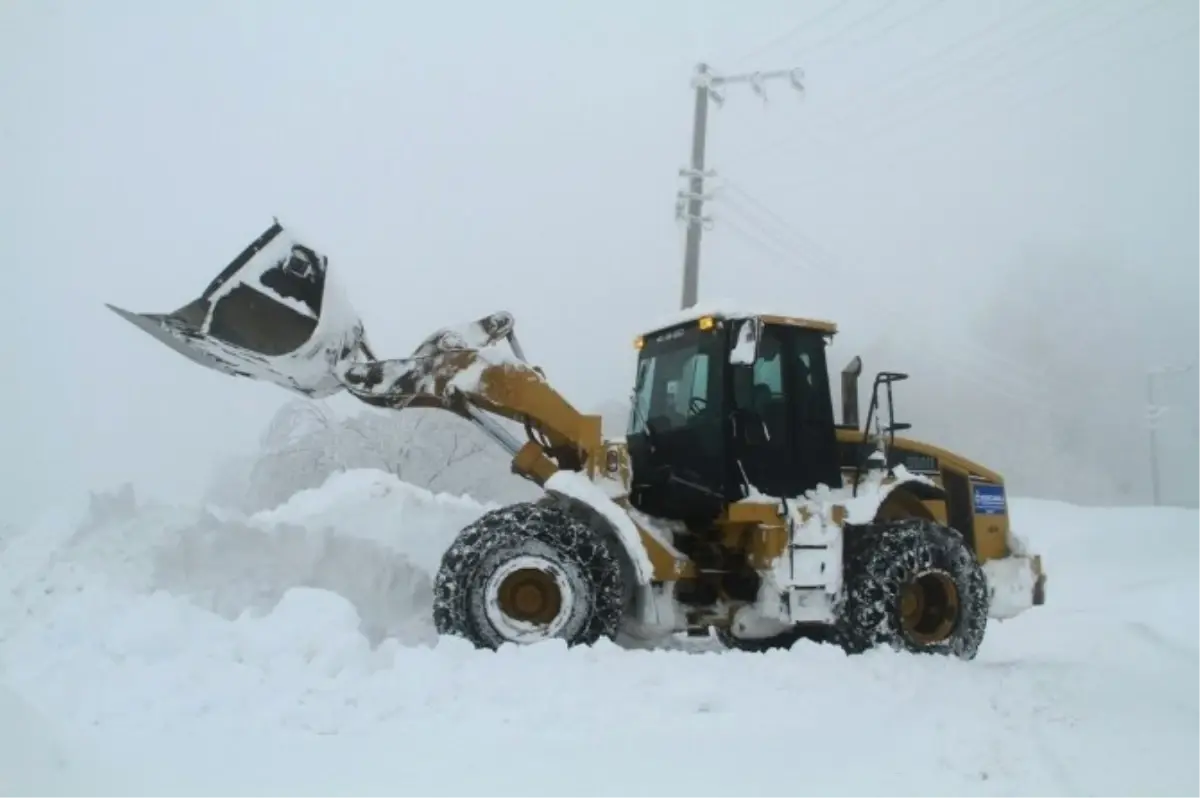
(823, 254)
(770, 239)
(789, 33)
(808, 51)
(890, 125)
(931, 136)
(888, 29)
(895, 92)
(898, 78)
(778, 257)
(981, 112)
(1117, 58)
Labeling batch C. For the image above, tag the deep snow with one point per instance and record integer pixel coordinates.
(148, 649)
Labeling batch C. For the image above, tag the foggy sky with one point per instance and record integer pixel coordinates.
(454, 159)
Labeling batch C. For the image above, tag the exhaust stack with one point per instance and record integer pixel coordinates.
(850, 376)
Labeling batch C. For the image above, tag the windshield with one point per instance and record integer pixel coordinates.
(673, 380)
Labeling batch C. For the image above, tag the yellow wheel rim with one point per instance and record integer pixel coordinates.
(530, 595)
(929, 607)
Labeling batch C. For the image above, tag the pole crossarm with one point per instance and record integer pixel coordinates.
(705, 79)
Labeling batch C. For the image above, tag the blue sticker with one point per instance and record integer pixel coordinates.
(989, 500)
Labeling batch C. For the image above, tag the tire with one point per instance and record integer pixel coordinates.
(527, 573)
(916, 566)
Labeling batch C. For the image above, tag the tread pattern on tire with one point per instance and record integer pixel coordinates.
(878, 558)
(529, 527)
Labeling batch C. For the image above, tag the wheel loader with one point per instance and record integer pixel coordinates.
(736, 504)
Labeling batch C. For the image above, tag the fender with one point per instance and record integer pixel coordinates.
(577, 493)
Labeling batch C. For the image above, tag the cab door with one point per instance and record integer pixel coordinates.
(814, 448)
(764, 455)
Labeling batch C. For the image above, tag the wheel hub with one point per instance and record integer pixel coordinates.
(929, 607)
(530, 595)
(529, 599)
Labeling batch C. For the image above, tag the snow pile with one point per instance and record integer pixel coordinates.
(1012, 582)
(37, 758)
(365, 536)
(289, 652)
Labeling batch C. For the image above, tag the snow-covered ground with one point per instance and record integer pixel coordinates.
(149, 649)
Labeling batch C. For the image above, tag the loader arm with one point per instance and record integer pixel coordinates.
(275, 314)
(477, 371)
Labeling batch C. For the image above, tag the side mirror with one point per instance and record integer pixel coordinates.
(745, 345)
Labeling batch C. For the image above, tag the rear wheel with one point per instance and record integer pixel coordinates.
(914, 585)
(528, 573)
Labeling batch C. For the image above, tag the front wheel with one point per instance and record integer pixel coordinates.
(528, 573)
(914, 585)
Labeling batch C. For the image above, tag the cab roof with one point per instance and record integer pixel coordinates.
(727, 313)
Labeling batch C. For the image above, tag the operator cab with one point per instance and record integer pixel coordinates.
(724, 404)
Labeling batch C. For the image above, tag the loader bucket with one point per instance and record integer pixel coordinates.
(272, 314)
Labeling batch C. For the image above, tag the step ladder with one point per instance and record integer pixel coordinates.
(814, 569)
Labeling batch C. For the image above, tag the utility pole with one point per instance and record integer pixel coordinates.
(690, 204)
(1154, 413)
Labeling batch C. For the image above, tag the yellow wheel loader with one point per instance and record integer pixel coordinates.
(735, 502)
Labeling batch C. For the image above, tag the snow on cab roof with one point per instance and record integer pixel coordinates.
(735, 310)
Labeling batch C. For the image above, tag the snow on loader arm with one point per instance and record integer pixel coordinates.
(692, 522)
(274, 314)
